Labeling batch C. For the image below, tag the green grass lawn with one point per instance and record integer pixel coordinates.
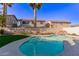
(4, 40)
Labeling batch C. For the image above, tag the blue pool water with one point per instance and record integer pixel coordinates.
(37, 46)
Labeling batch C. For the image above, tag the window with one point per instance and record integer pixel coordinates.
(27, 22)
(41, 22)
(24, 22)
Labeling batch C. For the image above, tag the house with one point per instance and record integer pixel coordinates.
(19, 22)
(11, 21)
(58, 23)
(30, 23)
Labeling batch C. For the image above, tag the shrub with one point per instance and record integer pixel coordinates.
(1, 31)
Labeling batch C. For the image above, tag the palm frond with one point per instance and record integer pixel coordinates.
(32, 5)
(39, 5)
(10, 4)
(36, 5)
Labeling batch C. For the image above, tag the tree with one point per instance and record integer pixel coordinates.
(3, 17)
(35, 6)
(1, 24)
(5, 11)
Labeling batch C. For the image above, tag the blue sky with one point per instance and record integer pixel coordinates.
(48, 11)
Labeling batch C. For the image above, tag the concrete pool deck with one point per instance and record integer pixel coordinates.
(12, 49)
(70, 50)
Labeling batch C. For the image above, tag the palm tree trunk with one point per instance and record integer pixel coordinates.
(4, 14)
(35, 20)
(4, 18)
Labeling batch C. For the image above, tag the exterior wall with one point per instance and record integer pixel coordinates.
(19, 23)
(27, 24)
(40, 24)
(59, 25)
(30, 23)
(11, 20)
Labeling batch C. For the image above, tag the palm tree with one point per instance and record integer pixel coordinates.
(5, 11)
(1, 24)
(3, 17)
(35, 6)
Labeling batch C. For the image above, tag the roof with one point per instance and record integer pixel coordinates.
(12, 16)
(32, 20)
(59, 21)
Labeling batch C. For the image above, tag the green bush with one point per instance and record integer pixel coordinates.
(1, 31)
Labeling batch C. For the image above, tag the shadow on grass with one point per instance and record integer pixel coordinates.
(4, 40)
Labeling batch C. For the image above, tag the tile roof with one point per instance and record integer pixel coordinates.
(32, 20)
(61, 21)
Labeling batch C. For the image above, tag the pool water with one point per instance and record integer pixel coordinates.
(37, 46)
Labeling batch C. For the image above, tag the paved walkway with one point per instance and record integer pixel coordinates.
(12, 49)
(71, 50)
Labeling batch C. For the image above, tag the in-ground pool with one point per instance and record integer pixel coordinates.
(37, 46)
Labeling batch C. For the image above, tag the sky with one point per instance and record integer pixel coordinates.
(48, 11)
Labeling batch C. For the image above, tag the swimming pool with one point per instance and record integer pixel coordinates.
(37, 46)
